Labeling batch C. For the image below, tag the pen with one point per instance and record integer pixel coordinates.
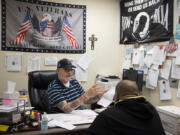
(50, 120)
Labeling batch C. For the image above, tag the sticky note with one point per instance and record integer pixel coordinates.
(7, 101)
(4, 128)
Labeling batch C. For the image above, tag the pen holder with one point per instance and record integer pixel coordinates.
(34, 119)
(35, 123)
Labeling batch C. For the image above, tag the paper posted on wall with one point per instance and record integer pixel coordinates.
(165, 71)
(33, 64)
(148, 85)
(178, 91)
(84, 61)
(165, 93)
(50, 61)
(158, 55)
(126, 64)
(175, 72)
(153, 77)
(155, 67)
(138, 56)
(177, 62)
(128, 52)
(13, 62)
(143, 68)
(80, 74)
(148, 58)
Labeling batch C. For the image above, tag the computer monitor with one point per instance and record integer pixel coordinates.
(134, 75)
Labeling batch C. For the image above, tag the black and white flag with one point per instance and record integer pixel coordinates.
(145, 21)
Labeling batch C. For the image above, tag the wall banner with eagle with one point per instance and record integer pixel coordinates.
(39, 26)
(144, 21)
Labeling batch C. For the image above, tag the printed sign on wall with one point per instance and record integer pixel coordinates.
(146, 21)
(38, 26)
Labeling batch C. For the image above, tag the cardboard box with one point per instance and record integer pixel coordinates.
(170, 117)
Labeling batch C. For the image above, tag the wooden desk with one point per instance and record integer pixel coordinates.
(79, 130)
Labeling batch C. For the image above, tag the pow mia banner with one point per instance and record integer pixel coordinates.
(38, 26)
(146, 21)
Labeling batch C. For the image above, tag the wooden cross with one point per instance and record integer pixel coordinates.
(92, 39)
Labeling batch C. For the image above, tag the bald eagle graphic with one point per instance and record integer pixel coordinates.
(45, 30)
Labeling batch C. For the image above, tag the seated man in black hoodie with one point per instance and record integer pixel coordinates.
(131, 115)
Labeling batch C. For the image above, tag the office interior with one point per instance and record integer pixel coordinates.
(103, 21)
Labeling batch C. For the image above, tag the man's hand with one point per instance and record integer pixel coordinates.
(101, 93)
(94, 94)
(94, 90)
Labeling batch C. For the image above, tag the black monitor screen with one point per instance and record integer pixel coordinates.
(134, 75)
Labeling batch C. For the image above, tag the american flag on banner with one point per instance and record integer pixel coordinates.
(25, 26)
(70, 35)
(49, 26)
(171, 47)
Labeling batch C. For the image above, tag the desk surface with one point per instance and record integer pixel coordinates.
(53, 131)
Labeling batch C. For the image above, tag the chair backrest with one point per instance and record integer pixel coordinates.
(38, 82)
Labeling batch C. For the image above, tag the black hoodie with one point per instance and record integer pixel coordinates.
(134, 116)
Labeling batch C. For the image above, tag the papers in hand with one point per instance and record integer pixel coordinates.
(107, 99)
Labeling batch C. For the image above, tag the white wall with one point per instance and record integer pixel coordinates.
(103, 21)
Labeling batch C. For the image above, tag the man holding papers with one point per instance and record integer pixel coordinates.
(65, 94)
(131, 115)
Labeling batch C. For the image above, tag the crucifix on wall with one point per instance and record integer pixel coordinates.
(92, 39)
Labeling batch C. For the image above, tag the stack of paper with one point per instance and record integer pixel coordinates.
(68, 121)
(6, 108)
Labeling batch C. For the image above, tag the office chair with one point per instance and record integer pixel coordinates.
(38, 82)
